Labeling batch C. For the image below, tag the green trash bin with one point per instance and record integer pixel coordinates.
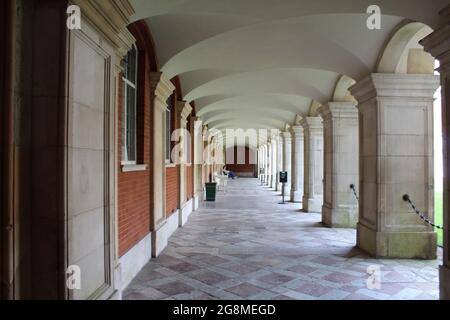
(211, 188)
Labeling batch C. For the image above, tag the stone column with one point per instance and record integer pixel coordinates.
(438, 44)
(313, 181)
(197, 161)
(162, 88)
(287, 160)
(183, 112)
(297, 164)
(340, 131)
(269, 164)
(396, 158)
(274, 146)
(279, 160)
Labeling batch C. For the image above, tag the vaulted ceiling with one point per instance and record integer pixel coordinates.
(259, 63)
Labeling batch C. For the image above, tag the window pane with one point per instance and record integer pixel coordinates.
(131, 123)
(168, 135)
(124, 123)
(131, 66)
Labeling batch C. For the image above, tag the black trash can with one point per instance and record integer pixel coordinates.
(210, 188)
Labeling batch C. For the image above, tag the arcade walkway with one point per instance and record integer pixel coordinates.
(246, 246)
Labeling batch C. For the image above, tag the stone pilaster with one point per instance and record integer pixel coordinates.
(340, 131)
(396, 158)
(313, 180)
(279, 160)
(269, 163)
(183, 112)
(438, 44)
(162, 88)
(297, 164)
(274, 158)
(197, 161)
(287, 160)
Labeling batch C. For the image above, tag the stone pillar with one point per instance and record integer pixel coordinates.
(396, 158)
(287, 160)
(313, 181)
(274, 147)
(340, 132)
(268, 163)
(279, 160)
(162, 88)
(197, 161)
(438, 44)
(183, 112)
(297, 164)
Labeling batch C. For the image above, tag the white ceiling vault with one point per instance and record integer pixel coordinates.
(259, 63)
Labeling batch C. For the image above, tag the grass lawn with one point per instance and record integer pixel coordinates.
(438, 215)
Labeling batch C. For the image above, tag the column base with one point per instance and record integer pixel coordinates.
(160, 237)
(312, 204)
(403, 245)
(197, 199)
(296, 196)
(444, 282)
(185, 212)
(343, 217)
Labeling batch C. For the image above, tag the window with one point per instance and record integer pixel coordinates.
(168, 135)
(129, 108)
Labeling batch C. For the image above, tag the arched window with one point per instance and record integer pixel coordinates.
(129, 107)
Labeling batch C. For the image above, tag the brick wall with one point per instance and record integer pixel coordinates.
(241, 168)
(171, 190)
(189, 182)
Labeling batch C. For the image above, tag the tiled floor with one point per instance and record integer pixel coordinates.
(247, 246)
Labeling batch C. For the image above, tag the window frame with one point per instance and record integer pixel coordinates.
(125, 110)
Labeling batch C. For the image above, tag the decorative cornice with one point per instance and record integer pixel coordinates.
(298, 119)
(126, 41)
(160, 86)
(184, 109)
(378, 85)
(109, 18)
(438, 42)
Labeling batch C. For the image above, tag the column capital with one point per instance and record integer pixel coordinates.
(388, 85)
(334, 109)
(287, 135)
(312, 123)
(297, 131)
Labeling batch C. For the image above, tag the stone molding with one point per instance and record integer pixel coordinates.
(382, 85)
(287, 135)
(335, 109)
(438, 42)
(297, 131)
(161, 88)
(110, 19)
(312, 124)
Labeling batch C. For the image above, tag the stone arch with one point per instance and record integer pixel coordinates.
(404, 54)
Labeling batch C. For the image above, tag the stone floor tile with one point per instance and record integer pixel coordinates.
(246, 246)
